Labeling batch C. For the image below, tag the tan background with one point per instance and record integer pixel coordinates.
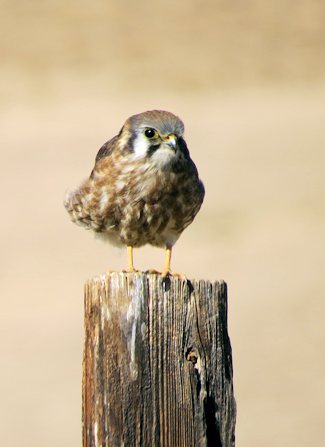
(248, 79)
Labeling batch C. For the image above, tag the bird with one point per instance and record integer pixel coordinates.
(144, 187)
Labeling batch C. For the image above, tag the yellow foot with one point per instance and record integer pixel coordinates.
(131, 270)
(166, 272)
(153, 272)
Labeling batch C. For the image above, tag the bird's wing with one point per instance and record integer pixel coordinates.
(104, 152)
(106, 149)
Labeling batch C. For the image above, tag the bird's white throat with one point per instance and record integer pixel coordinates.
(162, 156)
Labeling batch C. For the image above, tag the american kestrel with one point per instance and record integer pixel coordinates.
(144, 188)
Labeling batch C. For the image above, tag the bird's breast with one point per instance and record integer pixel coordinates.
(144, 204)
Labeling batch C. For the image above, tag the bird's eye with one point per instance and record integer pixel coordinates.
(151, 133)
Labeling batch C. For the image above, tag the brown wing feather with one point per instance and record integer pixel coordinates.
(106, 149)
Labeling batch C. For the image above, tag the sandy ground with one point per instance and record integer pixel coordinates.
(249, 85)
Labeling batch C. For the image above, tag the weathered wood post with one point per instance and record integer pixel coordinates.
(157, 367)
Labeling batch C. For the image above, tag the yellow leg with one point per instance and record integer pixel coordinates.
(130, 259)
(166, 270)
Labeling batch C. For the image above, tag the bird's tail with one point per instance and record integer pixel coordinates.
(75, 204)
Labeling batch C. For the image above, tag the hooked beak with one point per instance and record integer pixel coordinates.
(171, 141)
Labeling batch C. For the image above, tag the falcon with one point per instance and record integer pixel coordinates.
(143, 189)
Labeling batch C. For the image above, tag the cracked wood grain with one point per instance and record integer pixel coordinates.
(157, 367)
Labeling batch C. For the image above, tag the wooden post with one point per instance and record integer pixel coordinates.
(157, 368)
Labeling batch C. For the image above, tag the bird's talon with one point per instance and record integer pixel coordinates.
(131, 271)
(167, 273)
(152, 272)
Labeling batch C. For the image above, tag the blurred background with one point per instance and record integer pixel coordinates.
(248, 80)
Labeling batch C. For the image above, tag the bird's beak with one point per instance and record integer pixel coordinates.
(171, 141)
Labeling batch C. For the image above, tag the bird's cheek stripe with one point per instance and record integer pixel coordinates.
(152, 149)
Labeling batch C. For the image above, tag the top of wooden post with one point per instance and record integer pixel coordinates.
(157, 362)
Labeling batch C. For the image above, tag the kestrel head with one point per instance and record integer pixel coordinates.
(155, 135)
